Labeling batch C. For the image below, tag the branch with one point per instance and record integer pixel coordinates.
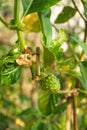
(68, 113)
(4, 22)
(55, 27)
(38, 61)
(82, 91)
(82, 16)
(21, 40)
(74, 112)
(69, 92)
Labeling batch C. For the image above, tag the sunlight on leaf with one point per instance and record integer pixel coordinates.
(79, 42)
(32, 23)
(83, 69)
(45, 103)
(38, 5)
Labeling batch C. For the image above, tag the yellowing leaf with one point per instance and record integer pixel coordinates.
(19, 122)
(32, 23)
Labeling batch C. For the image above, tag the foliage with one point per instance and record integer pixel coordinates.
(60, 76)
(67, 10)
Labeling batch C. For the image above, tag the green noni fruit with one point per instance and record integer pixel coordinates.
(51, 83)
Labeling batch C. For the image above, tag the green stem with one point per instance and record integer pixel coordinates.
(28, 7)
(82, 91)
(16, 10)
(16, 18)
(21, 40)
(4, 22)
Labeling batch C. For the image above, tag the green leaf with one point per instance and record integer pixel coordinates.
(10, 76)
(5, 123)
(65, 62)
(15, 50)
(28, 111)
(42, 126)
(23, 97)
(46, 26)
(83, 69)
(66, 14)
(81, 43)
(1, 63)
(60, 108)
(26, 5)
(28, 114)
(56, 44)
(10, 71)
(46, 103)
(48, 57)
(84, 1)
(62, 36)
(38, 5)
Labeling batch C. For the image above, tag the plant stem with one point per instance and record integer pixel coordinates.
(55, 27)
(38, 61)
(4, 22)
(28, 7)
(85, 33)
(16, 19)
(82, 16)
(73, 91)
(82, 91)
(21, 40)
(68, 113)
(16, 10)
(74, 112)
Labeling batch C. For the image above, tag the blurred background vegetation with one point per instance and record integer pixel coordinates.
(18, 102)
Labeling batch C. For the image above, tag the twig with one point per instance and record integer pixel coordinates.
(74, 112)
(68, 92)
(85, 32)
(55, 27)
(82, 91)
(4, 22)
(82, 16)
(68, 113)
(38, 61)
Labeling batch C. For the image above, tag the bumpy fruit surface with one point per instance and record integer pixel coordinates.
(51, 83)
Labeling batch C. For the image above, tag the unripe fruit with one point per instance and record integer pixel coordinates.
(51, 83)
